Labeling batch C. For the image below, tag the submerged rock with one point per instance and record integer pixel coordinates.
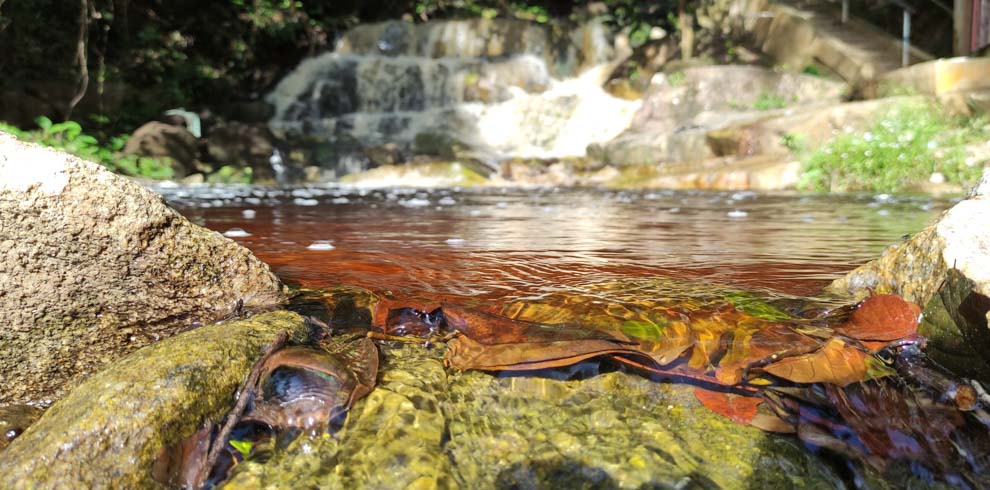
(110, 429)
(94, 266)
(946, 267)
(425, 427)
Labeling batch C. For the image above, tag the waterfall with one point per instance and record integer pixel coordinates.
(496, 89)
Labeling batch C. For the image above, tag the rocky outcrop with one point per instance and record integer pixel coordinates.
(946, 268)
(108, 432)
(94, 266)
(681, 110)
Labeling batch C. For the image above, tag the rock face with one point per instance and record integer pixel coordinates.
(165, 141)
(946, 269)
(94, 266)
(681, 112)
(108, 431)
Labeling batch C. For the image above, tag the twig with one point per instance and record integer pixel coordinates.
(247, 389)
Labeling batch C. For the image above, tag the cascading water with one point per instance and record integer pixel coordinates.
(498, 88)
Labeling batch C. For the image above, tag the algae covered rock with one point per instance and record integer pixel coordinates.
(109, 430)
(946, 269)
(427, 427)
(93, 266)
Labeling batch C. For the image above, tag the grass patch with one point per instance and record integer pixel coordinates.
(901, 149)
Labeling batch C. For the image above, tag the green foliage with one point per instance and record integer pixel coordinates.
(676, 78)
(794, 142)
(243, 447)
(753, 305)
(767, 101)
(903, 148)
(68, 136)
(812, 70)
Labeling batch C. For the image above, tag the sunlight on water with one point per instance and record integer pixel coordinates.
(504, 245)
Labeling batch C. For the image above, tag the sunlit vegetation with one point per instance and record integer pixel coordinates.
(68, 136)
(913, 143)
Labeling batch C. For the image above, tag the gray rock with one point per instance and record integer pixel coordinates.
(108, 432)
(945, 268)
(167, 143)
(94, 266)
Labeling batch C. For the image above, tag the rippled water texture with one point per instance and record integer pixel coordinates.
(506, 245)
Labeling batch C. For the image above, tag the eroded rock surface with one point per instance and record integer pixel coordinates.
(94, 266)
(109, 430)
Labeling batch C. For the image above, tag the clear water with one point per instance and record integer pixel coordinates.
(608, 256)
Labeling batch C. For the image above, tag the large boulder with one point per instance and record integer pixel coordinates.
(243, 145)
(168, 143)
(681, 109)
(946, 269)
(109, 431)
(94, 266)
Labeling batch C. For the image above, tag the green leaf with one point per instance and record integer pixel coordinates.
(43, 122)
(642, 329)
(748, 303)
(243, 447)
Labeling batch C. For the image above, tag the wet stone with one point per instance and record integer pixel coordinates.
(427, 427)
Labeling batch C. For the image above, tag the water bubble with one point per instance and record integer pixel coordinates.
(502, 205)
(455, 242)
(249, 213)
(340, 200)
(736, 213)
(305, 202)
(320, 245)
(236, 233)
(446, 201)
(301, 193)
(415, 202)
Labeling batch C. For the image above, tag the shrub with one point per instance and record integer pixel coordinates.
(68, 136)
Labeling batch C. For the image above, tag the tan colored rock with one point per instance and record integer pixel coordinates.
(94, 266)
(165, 141)
(109, 430)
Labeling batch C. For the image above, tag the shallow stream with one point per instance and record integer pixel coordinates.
(559, 254)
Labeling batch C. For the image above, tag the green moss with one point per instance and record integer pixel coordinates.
(112, 426)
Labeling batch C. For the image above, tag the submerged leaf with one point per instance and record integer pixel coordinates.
(466, 353)
(882, 317)
(737, 408)
(836, 363)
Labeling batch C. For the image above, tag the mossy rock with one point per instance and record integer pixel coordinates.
(108, 431)
(427, 427)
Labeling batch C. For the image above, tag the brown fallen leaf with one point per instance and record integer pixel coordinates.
(767, 344)
(837, 363)
(466, 353)
(489, 329)
(883, 317)
(737, 408)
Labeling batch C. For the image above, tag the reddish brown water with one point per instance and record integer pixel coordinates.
(608, 257)
(507, 245)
